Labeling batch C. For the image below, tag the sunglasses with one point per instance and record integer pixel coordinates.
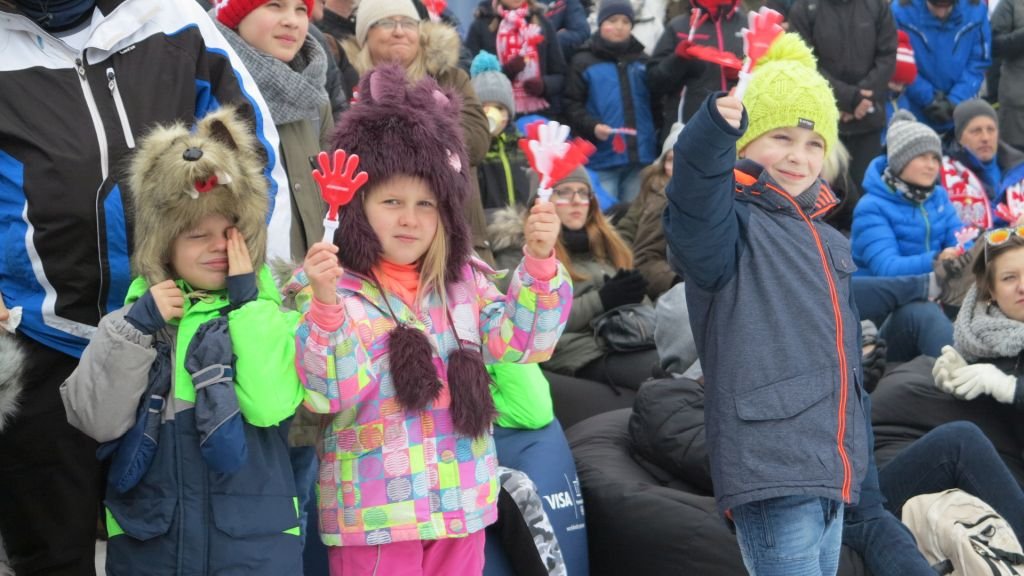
(1000, 236)
(567, 194)
(389, 24)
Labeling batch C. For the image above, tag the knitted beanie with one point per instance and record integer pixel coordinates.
(907, 139)
(490, 83)
(787, 90)
(906, 67)
(231, 12)
(579, 176)
(372, 11)
(969, 110)
(610, 8)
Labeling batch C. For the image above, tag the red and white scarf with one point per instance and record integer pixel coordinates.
(517, 37)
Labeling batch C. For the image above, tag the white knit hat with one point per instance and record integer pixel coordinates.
(372, 11)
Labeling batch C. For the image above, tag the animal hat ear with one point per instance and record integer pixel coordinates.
(226, 126)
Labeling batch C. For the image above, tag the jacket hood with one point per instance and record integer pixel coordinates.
(874, 183)
(506, 229)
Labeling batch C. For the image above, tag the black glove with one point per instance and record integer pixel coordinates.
(940, 110)
(626, 287)
(513, 67)
(534, 87)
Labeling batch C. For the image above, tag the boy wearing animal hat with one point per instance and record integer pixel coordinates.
(190, 383)
(785, 421)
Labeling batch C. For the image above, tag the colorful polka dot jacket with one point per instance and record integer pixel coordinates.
(392, 475)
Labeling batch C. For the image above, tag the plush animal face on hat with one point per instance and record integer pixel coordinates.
(178, 176)
(398, 129)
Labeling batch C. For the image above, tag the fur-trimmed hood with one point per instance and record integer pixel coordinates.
(505, 231)
(439, 48)
(12, 363)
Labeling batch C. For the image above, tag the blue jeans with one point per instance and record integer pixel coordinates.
(790, 536)
(906, 320)
(954, 455)
(622, 183)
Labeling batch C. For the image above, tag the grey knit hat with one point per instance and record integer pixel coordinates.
(490, 84)
(907, 139)
(969, 110)
(610, 8)
(373, 11)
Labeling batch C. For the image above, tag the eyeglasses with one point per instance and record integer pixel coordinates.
(389, 24)
(567, 194)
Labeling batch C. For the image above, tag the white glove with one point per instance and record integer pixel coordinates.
(950, 361)
(972, 381)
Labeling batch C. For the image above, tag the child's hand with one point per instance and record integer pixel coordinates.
(731, 109)
(542, 230)
(239, 261)
(322, 268)
(169, 299)
(602, 132)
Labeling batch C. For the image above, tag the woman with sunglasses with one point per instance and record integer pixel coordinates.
(987, 358)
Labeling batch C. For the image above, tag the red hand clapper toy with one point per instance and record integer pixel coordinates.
(337, 185)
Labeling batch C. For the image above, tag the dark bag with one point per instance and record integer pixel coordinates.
(626, 328)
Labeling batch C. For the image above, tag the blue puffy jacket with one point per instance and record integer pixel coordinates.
(952, 55)
(894, 237)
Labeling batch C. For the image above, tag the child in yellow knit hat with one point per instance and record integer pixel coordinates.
(768, 290)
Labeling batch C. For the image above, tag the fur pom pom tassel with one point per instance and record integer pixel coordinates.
(470, 387)
(412, 368)
(12, 361)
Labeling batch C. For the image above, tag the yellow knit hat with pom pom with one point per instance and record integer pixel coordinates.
(787, 90)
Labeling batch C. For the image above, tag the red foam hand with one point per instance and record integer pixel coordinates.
(534, 35)
(723, 58)
(338, 184)
(765, 25)
(577, 155)
(435, 7)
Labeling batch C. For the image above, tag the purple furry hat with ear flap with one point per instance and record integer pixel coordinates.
(401, 129)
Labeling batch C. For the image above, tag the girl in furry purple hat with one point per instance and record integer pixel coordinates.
(394, 340)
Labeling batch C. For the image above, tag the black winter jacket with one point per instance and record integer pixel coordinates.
(855, 42)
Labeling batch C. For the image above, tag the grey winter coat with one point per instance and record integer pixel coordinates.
(1008, 44)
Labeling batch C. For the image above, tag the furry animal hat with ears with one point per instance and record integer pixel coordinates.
(412, 130)
(179, 176)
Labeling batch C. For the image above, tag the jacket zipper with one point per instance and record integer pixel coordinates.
(927, 228)
(101, 139)
(840, 349)
(129, 139)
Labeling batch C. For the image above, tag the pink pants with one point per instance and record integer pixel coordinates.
(451, 556)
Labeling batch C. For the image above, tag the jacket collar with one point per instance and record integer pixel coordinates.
(756, 186)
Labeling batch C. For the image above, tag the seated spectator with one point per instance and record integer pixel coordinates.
(981, 170)
(606, 92)
(989, 331)
(601, 266)
(527, 47)
(952, 47)
(1008, 45)
(905, 221)
(670, 70)
(502, 175)
(641, 226)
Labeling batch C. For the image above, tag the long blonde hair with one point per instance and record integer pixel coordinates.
(434, 264)
(605, 244)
